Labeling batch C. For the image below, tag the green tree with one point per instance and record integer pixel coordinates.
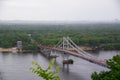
(112, 74)
(46, 74)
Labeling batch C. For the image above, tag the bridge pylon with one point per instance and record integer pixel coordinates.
(64, 43)
(67, 44)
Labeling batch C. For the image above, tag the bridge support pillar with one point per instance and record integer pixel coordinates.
(66, 61)
(53, 55)
(67, 66)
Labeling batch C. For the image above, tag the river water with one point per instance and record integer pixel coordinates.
(15, 66)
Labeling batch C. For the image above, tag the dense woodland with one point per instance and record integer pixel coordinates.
(97, 35)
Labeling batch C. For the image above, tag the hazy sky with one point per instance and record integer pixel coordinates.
(65, 10)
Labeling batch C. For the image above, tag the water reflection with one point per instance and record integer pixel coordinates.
(1, 76)
(94, 53)
(104, 54)
(15, 66)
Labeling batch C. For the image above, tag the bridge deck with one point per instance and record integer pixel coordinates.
(81, 55)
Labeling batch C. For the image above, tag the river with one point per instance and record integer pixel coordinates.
(15, 66)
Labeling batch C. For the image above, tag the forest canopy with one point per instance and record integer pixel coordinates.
(99, 35)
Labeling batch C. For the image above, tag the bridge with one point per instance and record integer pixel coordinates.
(68, 47)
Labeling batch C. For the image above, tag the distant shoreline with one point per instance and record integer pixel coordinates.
(13, 50)
(8, 50)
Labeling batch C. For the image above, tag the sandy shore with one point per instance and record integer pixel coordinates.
(8, 50)
(13, 50)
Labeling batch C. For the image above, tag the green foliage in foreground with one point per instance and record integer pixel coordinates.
(46, 74)
(113, 74)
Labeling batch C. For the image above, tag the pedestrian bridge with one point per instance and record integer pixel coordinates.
(68, 47)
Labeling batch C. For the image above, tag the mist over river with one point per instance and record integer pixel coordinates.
(15, 66)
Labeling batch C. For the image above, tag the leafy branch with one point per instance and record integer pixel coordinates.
(46, 73)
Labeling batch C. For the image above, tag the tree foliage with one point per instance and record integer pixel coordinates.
(112, 74)
(46, 74)
(100, 35)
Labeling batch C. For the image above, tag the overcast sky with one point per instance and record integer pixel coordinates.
(66, 10)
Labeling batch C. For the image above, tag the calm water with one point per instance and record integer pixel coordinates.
(15, 66)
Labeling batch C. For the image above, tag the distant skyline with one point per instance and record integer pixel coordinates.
(60, 10)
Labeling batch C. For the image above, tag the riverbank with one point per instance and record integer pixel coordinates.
(13, 50)
(8, 50)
